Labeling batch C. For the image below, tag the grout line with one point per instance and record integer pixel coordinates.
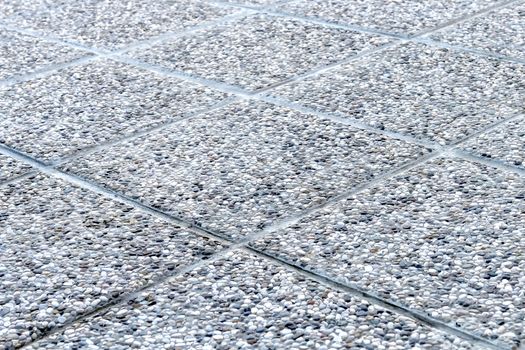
(103, 53)
(258, 96)
(467, 17)
(46, 71)
(49, 170)
(488, 128)
(223, 87)
(416, 38)
(54, 39)
(319, 20)
(495, 163)
(271, 11)
(320, 70)
(443, 45)
(240, 91)
(18, 178)
(133, 45)
(329, 24)
(291, 220)
(245, 12)
(499, 164)
(123, 298)
(184, 32)
(108, 193)
(342, 119)
(442, 151)
(138, 134)
(392, 306)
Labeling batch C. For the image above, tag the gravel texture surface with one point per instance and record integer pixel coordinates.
(505, 143)
(65, 251)
(242, 302)
(240, 168)
(446, 238)
(415, 89)
(110, 24)
(257, 51)
(83, 106)
(402, 17)
(500, 32)
(386, 162)
(9, 8)
(10, 168)
(23, 54)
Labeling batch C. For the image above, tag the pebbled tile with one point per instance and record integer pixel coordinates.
(10, 168)
(238, 169)
(258, 50)
(500, 32)
(244, 302)
(405, 17)
(87, 105)
(505, 143)
(109, 24)
(426, 92)
(65, 251)
(446, 238)
(23, 54)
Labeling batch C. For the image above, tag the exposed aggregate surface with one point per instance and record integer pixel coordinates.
(262, 174)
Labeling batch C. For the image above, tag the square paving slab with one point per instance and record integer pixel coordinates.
(404, 17)
(110, 24)
(446, 238)
(415, 89)
(242, 302)
(83, 106)
(505, 143)
(65, 251)
(258, 50)
(237, 169)
(10, 168)
(23, 54)
(501, 32)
